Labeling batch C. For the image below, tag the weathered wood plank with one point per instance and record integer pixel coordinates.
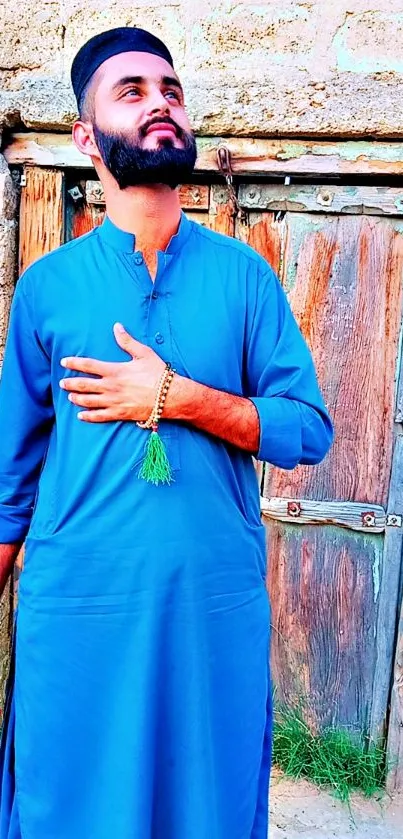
(393, 598)
(249, 156)
(344, 277)
(395, 734)
(221, 213)
(266, 234)
(41, 214)
(199, 216)
(356, 200)
(192, 196)
(82, 216)
(361, 517)
(324, 589)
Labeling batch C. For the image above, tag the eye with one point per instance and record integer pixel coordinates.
(173, 93)
(132, 91)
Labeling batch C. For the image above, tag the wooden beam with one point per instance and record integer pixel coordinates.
(357, 200)
(41, 214)
(191, 196)
(367, 518)
(249, 156)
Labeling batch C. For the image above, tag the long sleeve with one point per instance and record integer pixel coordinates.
(26, 416)
(281, 381)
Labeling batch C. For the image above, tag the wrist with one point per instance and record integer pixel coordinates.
(180, 397)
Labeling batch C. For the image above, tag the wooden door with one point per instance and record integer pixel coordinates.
(334, 531)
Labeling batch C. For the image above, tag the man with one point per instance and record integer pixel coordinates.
(141, 703)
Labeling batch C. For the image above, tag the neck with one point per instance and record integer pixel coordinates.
(152, 213)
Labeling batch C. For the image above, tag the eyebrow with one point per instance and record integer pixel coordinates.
(167, 81)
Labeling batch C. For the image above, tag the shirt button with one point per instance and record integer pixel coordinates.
(154, 295)
(159, 338)
(138, 259)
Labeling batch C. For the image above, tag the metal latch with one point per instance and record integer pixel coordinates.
(225, 167)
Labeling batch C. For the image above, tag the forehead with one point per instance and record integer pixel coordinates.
(151, 67)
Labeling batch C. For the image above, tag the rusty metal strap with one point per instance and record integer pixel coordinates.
(225, 167)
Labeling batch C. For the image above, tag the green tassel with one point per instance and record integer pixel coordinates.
(155, 468)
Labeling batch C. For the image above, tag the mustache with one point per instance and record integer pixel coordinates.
(160, 121)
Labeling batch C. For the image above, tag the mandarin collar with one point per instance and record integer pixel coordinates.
(125, 242)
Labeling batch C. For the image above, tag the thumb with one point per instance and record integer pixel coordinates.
(126, 342)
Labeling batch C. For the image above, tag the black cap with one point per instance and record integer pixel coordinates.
(113, 42)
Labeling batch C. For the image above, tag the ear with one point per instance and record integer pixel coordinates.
(83, 137)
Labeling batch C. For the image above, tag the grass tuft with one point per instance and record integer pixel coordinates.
(328, 759)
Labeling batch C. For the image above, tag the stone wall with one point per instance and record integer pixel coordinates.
(288, 67)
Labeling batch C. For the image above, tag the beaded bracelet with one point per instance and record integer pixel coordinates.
(155, 467)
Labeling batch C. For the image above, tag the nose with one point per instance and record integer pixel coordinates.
(157, 102)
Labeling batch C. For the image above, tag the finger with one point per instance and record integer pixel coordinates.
(128, 343)
(87, 365)
(79, 384)
(105, 415)
(89, 400)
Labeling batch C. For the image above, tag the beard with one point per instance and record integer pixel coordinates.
(132, 165)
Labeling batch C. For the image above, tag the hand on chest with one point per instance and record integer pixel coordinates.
(200, 332)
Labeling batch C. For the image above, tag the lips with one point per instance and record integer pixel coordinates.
(162, 128)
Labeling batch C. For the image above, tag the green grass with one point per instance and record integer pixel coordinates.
(329, 759)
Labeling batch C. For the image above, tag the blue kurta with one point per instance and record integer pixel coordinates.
(141, 702)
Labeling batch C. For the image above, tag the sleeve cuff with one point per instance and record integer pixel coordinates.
(14, 525)
(280, 440)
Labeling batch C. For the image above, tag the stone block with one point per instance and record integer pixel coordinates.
(370, 42)
(253, 37)
(305, 67)
(31, 34)
(83, 20)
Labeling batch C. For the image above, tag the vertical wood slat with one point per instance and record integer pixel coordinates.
(395, 733)
(344, 280)
(265, 233)
(41, 214)
(324, 590)
(221, 214)
(393, 556)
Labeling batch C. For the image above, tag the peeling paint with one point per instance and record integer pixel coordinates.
(292, 150)
(376, 574)
(357, 150)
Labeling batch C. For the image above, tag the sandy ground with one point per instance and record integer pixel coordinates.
(299, 810)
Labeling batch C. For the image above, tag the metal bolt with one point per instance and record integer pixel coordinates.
(393, 520)
(324, 198)
(294, 509)
(368, 519)
(76, 193)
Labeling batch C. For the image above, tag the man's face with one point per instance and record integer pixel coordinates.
(140, 124)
